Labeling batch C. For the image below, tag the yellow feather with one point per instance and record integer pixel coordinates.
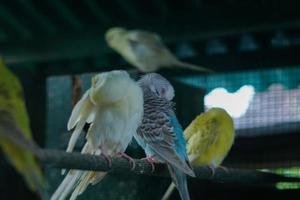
(209, 137)
(12, 107)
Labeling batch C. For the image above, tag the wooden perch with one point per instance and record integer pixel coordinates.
(61, 159)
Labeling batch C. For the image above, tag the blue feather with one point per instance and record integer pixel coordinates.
(180, 144)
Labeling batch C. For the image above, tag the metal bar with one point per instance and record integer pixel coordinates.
(91, 43)
(97, 11)
(66, 13)
(236, 29)
(12, 21)
(55, 48)
(129, 8)
(40, 18)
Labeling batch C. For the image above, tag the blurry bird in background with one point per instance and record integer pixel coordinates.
(113, 107)
(160, 134)
(15, 133)
(209, 138)
(145, 50)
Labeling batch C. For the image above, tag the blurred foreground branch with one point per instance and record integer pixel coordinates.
(61, 159)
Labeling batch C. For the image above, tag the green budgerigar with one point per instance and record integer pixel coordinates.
(145, 50)
(209, 138)
(15, 128)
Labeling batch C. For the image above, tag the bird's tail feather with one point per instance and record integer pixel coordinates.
(192, 67)
(87, 178)
(67, 185)
(74, 138)
(75, 135)
(173, 158)
(78, 180)
(169, 192)
(180, 181)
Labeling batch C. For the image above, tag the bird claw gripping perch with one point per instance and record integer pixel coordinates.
(151, 161)
(108, 159)
(127, 157)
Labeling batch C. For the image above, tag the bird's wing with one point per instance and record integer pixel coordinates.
(78, 110)
(161, 139)
(142, 41)
(82, 113)
(202, 139)
(180, 180)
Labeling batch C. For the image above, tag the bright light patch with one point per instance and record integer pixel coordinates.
(287, 186)
(236, 103)
(287, 172)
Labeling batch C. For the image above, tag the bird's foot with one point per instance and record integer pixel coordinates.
(151, 161)
(104, 153)
(108, 159)
(127, 157)
(223, 168)
(212, 169)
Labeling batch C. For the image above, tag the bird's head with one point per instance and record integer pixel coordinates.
(109, 87)
(219, 114)
(158, 85)
(113, 35)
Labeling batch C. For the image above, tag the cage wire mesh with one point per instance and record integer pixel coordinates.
(261, 102)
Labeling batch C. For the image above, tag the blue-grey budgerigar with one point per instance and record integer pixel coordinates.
(160, 133)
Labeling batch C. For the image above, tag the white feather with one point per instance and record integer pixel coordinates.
(67, 185)
(80, 115)
(114, 107)
(77, 110)
(75, 135)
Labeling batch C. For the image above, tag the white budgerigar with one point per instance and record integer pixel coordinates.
(113, 107)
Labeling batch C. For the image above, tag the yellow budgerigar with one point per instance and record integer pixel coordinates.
(209, 138)
(14, 122)
(145, 50)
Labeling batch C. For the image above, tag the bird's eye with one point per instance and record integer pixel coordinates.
(163, 92)
(157, 93)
